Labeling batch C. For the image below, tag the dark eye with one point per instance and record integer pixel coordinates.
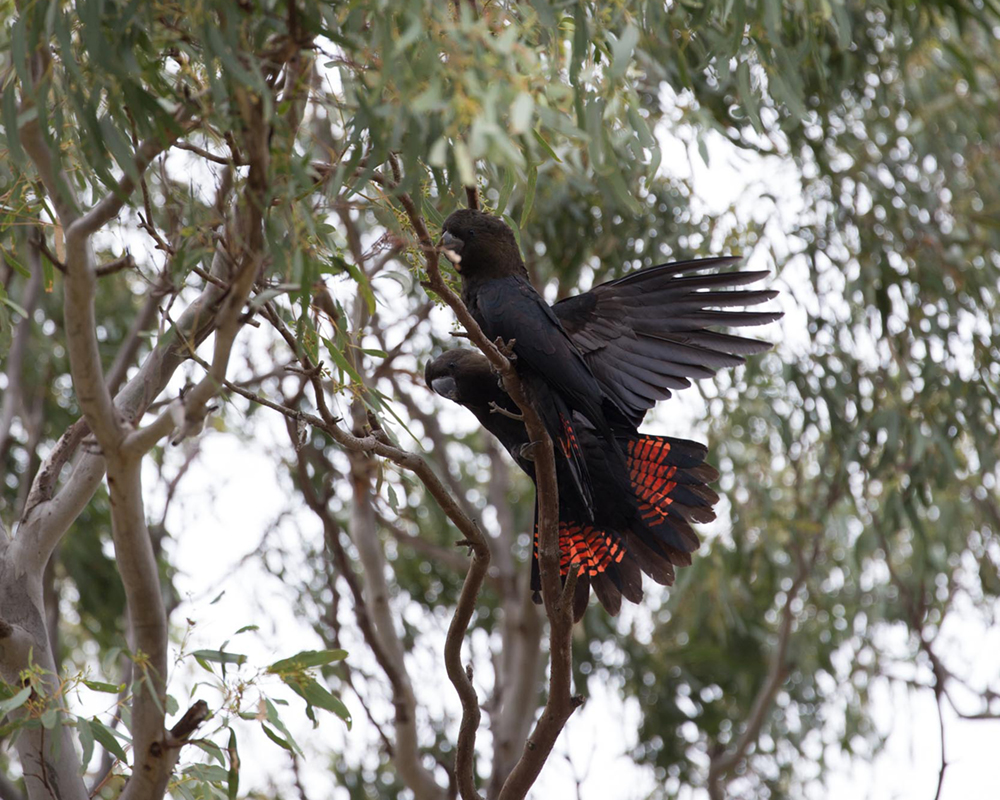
(469, 234)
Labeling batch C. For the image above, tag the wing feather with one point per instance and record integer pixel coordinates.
(647, 334)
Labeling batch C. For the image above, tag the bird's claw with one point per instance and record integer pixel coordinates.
(506, 348)
(526, 451)
(495, 409)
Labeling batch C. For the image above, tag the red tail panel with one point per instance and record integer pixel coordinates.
(651, 476)
(591, 549)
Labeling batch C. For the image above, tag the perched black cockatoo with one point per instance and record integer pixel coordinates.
(607, 354)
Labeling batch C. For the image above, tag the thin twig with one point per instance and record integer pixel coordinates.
(232, 160)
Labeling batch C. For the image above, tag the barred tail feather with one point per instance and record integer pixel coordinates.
(600, 560)
(669, 479)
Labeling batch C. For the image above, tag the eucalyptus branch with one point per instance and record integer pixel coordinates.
(207, 155)
(189, 415)
(558, 600)
(13, 394)
(107, 209)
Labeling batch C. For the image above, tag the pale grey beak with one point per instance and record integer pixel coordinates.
(451, 246)
(446, 387)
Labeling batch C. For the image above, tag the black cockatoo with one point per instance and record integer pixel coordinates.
(593, 365)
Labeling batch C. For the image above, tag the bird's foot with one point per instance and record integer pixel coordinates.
(525, 451)
(506, 348)
(495, 409)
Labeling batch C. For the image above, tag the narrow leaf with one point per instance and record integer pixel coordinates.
(529, 195)
(107, 739)
(306, 659)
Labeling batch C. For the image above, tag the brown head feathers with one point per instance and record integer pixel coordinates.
(481, 246)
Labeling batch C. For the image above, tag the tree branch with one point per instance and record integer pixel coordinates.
(557, 599)
(13, 395)
(515, 692)
(372, 605)
(724, 762)
(189, 416)
(109, 206)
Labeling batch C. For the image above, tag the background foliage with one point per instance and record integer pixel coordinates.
(859, 457)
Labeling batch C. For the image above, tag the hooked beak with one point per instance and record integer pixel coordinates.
(446, 387)
(451, 246)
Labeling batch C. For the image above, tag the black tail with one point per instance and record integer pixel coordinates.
(669, 483)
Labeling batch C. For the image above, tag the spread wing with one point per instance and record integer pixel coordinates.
(647, 333)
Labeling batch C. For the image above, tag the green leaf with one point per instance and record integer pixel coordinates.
(119, 148)
(247, 628)
(305, 660)
(99, 686)
(317, 695)
(218, 47)
(270, 293)
(359, 277)
(274, 718)
(437, 156)
(748, 96)
(19, 268)
(182, 788)
(8, 114)
(642, 132)
(277, 739)
(341, 361)
(546, 146)
(784, 91)
(529, 195)
(86, 735)
(12, 305)
(107, 738)
(463, 160)
(211, 748)
(207, 772)
(18, 39)
(509, 179)
(233, 779)
(581, 41)
(520, 113)
(15, 702)
(219, 656)
(621, 52)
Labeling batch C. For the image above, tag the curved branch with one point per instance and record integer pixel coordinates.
(722, 763)
(557, 599)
